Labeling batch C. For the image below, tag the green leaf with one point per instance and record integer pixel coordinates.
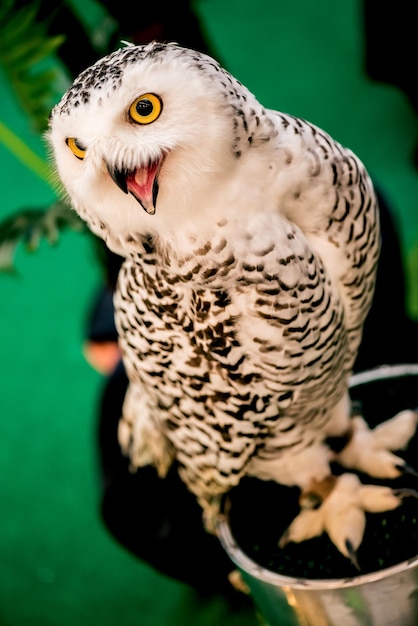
(5, 7)
(29, 227)
(22, 152)
(17, 22)
(27, 55)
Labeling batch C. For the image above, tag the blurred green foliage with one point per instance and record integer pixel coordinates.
(26, 57)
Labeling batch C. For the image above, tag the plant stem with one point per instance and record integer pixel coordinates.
(22, 152)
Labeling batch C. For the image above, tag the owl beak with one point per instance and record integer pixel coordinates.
(141, 183)
(119, 177)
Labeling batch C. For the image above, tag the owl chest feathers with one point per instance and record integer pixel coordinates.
(233, 313)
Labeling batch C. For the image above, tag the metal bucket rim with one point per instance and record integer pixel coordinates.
(383, 371)
(245, 563)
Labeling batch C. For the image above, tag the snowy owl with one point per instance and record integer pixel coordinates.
(251, 241)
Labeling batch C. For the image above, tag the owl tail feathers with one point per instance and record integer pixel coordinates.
(146, 447)
(140, 436)
(211, 508)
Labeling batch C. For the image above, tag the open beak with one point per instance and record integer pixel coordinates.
(141, 182)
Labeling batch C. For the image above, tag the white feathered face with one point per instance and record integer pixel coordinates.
(142, 132)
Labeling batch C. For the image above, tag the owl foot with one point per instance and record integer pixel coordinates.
(236, 580)
(338, 506)
(370, 450)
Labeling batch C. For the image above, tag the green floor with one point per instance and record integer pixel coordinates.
(58, 566)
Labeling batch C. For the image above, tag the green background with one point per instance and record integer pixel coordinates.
(58, 565)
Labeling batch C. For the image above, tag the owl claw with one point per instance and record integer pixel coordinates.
(404, 468)
(342, 514)
(371, 450)
(339, 515)
(352, 554)
(405, 493)
(285, 539)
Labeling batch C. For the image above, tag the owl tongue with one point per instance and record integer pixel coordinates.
(143, 185)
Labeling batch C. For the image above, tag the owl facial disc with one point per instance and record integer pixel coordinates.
(141, 182)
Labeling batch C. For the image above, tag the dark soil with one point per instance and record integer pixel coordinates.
(261, 511)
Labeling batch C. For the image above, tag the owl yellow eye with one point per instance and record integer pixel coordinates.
(75, 147)
(146, 109)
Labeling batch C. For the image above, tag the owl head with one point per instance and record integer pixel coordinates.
(144, 139)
